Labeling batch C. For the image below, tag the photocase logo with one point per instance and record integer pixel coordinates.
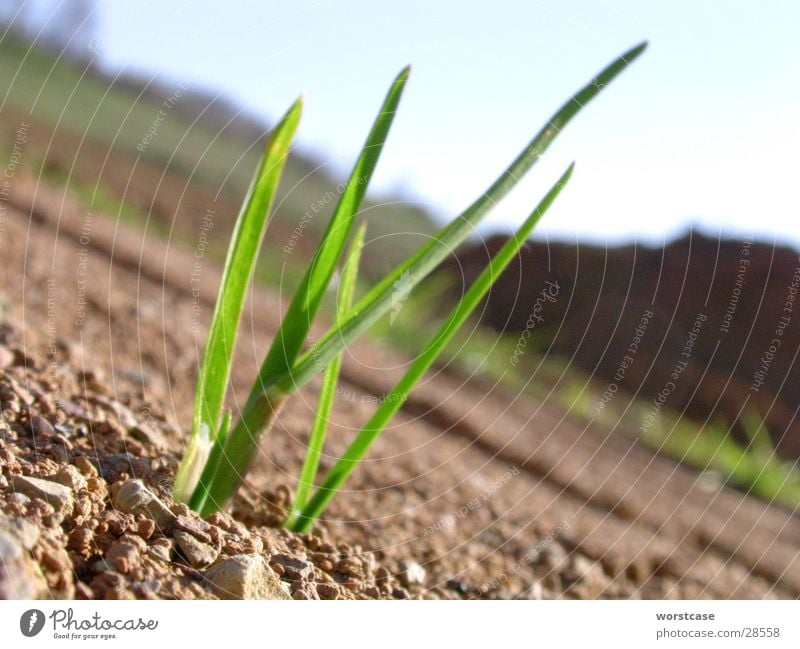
(31, 622)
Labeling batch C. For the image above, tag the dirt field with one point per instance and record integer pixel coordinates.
(472, 492)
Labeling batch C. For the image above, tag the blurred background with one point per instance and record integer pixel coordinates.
(676, 228)
(703, 134)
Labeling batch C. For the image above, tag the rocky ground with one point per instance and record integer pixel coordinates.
(86, 512)
(471, 493)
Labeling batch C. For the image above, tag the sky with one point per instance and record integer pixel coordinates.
(702, 131)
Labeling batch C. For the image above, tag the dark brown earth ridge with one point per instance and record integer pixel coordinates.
(742, 359)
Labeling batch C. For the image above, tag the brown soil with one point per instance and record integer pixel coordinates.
(472, 492)
(735, 366)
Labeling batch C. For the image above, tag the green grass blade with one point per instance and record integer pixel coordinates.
(271, 389)
(760, 441)
(395, 399)
(316, 442)
(300, 314)
(248, 233)
(379, 300)
(293, 331)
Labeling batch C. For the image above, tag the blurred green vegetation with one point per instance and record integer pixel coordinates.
(199, 136)
(752, 465)
(712, 448)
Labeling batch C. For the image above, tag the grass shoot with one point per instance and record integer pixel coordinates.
(220, 450)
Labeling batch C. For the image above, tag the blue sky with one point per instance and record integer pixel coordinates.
(702, 131)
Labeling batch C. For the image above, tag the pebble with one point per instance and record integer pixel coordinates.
(71, 477)
(197, 528)
(293, 568)
(197, 553)
(400, 593)
(81, 540)
(133, 497)
(20, 577)
(145, 528)
(535, 591)
(123, 556)
(412, 573)
(40, 426)
(553, 557)
(102, 565)
(327, 591)
(6, 357)
(20, 528)
(57, 495)
(149, 435)
(590, 578)
(245, 576)
(85, 466)
(160, 549)
(19, 499)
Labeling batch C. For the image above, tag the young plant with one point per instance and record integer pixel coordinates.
(217, 456)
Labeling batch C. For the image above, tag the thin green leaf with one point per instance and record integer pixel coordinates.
(305, 303)
(246, 240)
(297, 321)
(271, 391)
(757, 433)
(230, 462)
(379, 300)
(395, 399)
(316, 442)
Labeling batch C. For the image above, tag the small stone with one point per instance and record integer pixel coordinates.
(145, 528)
(71, 477)
(20, 528)
(590, 579)
(10, 547)
(123, 556)
(102, 565)
(40, 426)
(65, 429)
(6, 357)
(134, 540)
(412, 573)
(97, 486)
(133, 497)
(19, 499)
(149, 435)
(60, 453)
(292, 568)
(197, 553)
(85, 466)
(160, 549)
(245, 576)
(57, 495)
(552, 556)
(327, 591)
(83, 591)
(20, 576)
(196, 527)
(350, 566)
(400, 593)
(81, 540)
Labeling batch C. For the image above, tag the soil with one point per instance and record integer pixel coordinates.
(743, 357)
(471, 493)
